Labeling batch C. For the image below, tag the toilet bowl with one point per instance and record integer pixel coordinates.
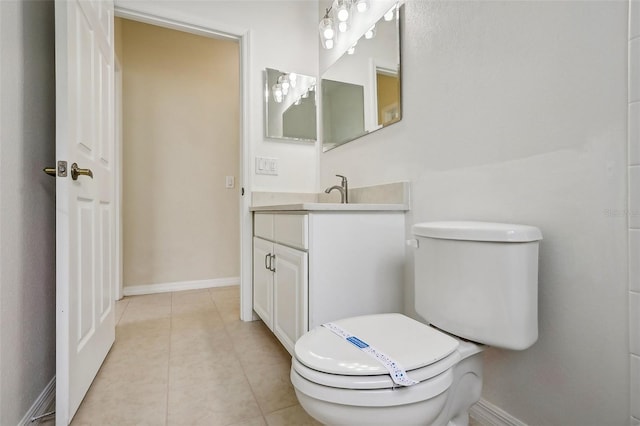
(338, 384)
(473, 280)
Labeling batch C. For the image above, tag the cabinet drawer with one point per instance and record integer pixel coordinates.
(263, 225)
(291, 230)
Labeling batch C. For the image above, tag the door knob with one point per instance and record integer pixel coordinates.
(77, 171)
(51, 171)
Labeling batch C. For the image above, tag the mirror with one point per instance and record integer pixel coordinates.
(361, 90)
(290, 106)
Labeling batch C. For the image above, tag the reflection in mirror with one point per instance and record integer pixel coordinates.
(290, 106)
(361, 90)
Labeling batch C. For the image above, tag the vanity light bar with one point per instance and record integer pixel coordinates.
(287, 81)
(337, 19)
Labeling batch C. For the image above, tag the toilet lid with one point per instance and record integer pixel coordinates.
(412, 344)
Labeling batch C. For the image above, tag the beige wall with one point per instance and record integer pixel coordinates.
(27, 205)
(180, 137)
(280, 34)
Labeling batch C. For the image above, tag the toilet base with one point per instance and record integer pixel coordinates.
(331, 413)
(466, 388)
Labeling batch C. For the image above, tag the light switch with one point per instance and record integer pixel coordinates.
(266, 166)
(230, 182)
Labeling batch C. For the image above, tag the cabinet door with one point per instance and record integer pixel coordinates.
(263, 281)
(290, 287)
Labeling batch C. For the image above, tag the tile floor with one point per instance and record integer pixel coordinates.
(185, 358)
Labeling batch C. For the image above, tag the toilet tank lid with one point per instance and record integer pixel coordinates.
(478, 231)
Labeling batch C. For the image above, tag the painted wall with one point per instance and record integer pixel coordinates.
(283, 36)
(27, 205)
(180, 139)
(516, 112)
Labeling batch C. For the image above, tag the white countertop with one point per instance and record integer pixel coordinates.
(327, 207)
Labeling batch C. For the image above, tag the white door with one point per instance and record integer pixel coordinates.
(85, 235)
(263, 280)
(290, 295)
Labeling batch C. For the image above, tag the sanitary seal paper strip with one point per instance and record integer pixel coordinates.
(398, 375)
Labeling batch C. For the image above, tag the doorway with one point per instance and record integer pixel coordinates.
(180, 130)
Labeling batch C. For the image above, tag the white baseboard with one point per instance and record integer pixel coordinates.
(137, 290)
(488, 414)
(42, 402)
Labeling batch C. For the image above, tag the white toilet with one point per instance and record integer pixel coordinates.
(474, 282)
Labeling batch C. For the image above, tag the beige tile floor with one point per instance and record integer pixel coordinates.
(185, 358)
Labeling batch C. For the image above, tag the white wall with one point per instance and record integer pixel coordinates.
(516, 112)
(27, 205)
(283, 36)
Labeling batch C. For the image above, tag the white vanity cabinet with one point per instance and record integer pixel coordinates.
(310, 267)
(280, 275)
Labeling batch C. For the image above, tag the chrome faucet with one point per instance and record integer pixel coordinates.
(343, 189)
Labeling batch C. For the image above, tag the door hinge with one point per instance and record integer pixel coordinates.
(242, 191)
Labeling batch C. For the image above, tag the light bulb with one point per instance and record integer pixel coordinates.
(351, 50)
(370, 33)
(342, 10)
(293, 77)
(276, 90)
(298, 101)
(389, 15)
(343, 27)
(305, 94)
(328, 33)
(362, 5)
(328, 44)
(284, 82)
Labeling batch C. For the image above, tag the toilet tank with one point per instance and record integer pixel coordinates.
(479, 280)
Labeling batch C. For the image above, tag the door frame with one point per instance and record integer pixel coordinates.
(117, 119)
(243, 37)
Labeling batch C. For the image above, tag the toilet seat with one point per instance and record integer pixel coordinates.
(337, 383)
(381, 381)
(385, 397)
(327, 360)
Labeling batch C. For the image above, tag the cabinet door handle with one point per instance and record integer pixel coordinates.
(267, 257)
(273, 257)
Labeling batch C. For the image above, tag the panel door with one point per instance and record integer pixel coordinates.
(263, 280)
(290, 287)
(85, 215)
